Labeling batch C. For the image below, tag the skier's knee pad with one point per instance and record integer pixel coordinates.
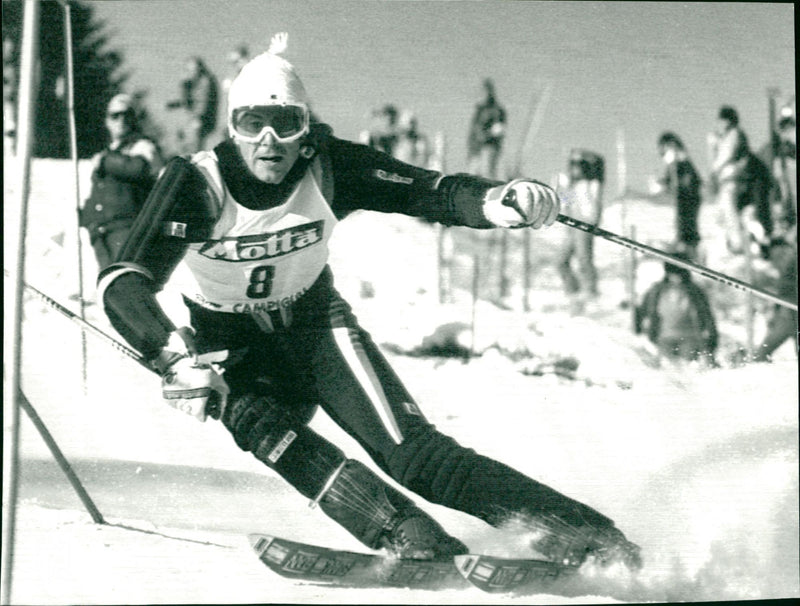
(432, 464)
(276, 437)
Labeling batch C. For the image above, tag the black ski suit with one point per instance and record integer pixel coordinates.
(309, 350)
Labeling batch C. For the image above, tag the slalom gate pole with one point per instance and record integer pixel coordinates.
(665, 256)
(61, 459)
(73, 145)
(13, 340)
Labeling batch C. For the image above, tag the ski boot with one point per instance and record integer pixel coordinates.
(572, 546)
(382, 518)
(417, 536)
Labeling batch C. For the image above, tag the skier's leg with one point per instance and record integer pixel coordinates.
(276, 433)
(444, 472)
(361, 392)
(381, 516)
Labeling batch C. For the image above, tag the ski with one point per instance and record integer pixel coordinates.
(316, 564)
(504, 575)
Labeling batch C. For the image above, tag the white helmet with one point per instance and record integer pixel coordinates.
(266, 80)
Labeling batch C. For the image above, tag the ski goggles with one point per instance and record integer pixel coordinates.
(285, 122)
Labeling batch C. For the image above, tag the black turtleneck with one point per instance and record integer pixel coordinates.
(249, 191)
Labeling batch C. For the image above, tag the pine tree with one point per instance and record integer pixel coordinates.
(96, 69)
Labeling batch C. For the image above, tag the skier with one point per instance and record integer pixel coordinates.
(271, 339)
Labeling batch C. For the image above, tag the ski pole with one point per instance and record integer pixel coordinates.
(665, 256)
(88, 326)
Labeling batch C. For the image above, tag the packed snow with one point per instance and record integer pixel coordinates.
(698, 466)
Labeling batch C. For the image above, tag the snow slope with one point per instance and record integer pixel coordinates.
(698, 466)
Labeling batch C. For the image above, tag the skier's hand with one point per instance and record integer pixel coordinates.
(193, 387)
(521, 203)
(180, 345)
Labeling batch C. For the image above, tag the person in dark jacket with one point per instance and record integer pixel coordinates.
(243, 231)
(122, 177)
(677, 318)
(682, 180)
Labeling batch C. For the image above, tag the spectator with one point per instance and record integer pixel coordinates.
(783, 321)
(382, 134)
(198, 107)
(412, 147)
(740, 178)
(677, 318)
(681, 180)
(583, 200)
(486, 134)
(122, 177)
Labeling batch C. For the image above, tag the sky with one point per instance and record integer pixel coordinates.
(616, 71)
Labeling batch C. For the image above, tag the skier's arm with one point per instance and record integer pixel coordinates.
(178, 211)
(367, 179)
